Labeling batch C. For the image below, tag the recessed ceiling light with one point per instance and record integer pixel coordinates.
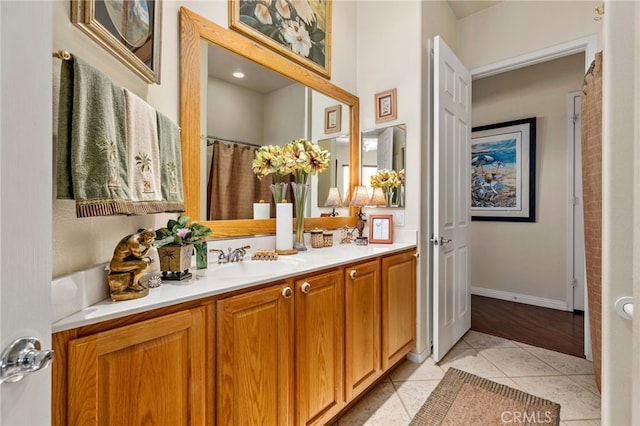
(238, 74)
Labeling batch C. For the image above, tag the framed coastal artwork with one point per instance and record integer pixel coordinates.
(333, 119)
(300, 31)
(503, 171)
(129, 29)
(385, 106)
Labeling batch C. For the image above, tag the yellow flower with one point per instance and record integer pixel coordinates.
(385, 179)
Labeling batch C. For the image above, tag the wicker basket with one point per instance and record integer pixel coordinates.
(327, 238)
(316, 238)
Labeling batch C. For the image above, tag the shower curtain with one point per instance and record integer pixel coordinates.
(592, 195)
(233, 187)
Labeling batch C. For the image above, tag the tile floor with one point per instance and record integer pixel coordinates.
(564, 379)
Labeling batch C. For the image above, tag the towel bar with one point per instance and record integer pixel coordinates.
(62, 54)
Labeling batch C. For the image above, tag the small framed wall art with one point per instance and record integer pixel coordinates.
(386, 106)
(380, 228)
(333, 119)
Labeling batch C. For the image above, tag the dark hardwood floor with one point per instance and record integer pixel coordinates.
(560, 331)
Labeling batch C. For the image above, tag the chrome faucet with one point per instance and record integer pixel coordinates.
(235, 255)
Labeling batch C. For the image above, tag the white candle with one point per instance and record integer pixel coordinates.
(261, 210)
(284, 226)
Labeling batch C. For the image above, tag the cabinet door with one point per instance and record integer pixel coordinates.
(255, 357)
(148, 373)
(362, 284)
(398, 307)
(319, 307)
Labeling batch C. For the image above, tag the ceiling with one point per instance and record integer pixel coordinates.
(464, 8)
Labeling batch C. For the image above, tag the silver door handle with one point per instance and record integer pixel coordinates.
(439, 242)
(22, 357)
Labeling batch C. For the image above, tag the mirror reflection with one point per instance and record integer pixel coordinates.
(246, 106)
(383, 162)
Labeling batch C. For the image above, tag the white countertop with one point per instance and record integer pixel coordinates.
(219, 279)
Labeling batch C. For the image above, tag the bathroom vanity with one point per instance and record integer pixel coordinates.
(291, 341)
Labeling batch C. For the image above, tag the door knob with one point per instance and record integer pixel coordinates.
(353, 274)
(22, 357)
(287, 292)
(306, 287)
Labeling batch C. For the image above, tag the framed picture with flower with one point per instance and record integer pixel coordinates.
(381, 228)
(300, 31)
(386, 106)
(333, 119)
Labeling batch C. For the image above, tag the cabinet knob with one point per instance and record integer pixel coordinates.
(306, 287)
(353, 274)
(287, 292)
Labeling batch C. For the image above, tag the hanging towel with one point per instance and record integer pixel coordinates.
(170, 164)
(108, 152)
(143, 156)
(91, 152)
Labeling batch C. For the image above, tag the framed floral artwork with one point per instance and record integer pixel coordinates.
(333, 119)
(386, 106)
(300, 31)
(129, 30)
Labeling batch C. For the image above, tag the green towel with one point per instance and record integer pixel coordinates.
(93, 150)
(92, 141)
(170, 163)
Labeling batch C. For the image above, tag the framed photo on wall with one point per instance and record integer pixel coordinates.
(129, 29)
(381, 228)
(503, 171)
(333, 119)
(300, 31)
(386, 106)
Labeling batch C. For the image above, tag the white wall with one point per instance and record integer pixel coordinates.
(82, 243)
(513, 28)
(530, 259)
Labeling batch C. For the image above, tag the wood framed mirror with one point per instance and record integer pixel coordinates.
(193, 30)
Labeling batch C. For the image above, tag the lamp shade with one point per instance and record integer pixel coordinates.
(333, 199)
(377, 198)
(360, 197)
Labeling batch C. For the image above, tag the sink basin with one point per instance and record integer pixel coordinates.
(252, 269)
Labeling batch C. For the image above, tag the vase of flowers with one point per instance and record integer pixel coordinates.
(270, 161)
(389, 181)
(299, 158)
(306, 159)
(175, 244)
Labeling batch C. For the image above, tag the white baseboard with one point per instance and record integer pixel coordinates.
(521, 298)
(419, 357)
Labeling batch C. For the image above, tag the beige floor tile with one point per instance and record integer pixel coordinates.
(461, 345)
(517, 362)
(471, 361)
(565, 364)
(594, 422)
(413, 394)
(408, 370)
(381, 406)
(480, 340)
(588, 381)
(576, 402)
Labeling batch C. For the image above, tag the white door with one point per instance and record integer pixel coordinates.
(25, 201)
(452, 189)
(578, 262)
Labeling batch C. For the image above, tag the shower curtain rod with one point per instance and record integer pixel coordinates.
(230, 141)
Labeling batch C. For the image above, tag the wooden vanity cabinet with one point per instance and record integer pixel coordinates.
(398, 307)
(362, 329)
(151, 372)
(255, 357)
(278, 340)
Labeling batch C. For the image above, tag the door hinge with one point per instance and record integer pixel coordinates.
(574, 283)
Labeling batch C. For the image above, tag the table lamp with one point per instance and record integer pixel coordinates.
(377, 198)
(333, 200)
(360, 199)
